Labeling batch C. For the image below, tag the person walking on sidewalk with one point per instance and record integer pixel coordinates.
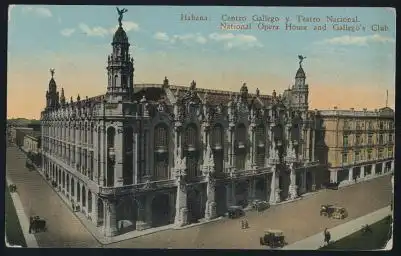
(327, 236)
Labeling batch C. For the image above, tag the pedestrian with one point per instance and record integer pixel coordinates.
(121, 225)
(30, 223)
(327, 236)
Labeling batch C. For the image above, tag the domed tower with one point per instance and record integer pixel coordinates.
(300, 90)
(52, 99)
(120, 69)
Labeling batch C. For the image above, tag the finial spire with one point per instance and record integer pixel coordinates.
(52, 72)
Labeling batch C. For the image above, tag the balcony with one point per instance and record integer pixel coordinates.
(217, 146)
(162, 149)
(191, 148)
(151, 185)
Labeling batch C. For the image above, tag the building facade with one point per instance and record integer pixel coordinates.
(147, 155)
(32, 142)
(355, 145)
(18, 135)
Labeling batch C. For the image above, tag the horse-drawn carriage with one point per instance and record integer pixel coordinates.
(37, 224)
(334, 212)
(273, 238)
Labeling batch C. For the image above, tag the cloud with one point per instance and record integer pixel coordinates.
(161, 36)
(186, 38)
(10, 7)
(95, 31)
(101, 31)
(39, 11)
(127, 25)
(67, 32)
(236, 41)
(357, 40)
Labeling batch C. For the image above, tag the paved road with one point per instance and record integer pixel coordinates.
(64, 229)
(298, 220)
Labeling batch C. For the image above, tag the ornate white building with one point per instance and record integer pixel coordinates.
(146, 155)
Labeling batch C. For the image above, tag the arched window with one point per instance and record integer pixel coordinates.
(260, 139)
(85, 132)
(191, 138)
(217, 142)
(241, 135)
(111, 132)
(161, 144)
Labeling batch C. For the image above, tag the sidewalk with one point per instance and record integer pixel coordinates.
(316, 241)
(23, 219)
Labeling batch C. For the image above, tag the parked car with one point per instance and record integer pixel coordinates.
(260, 205)
(235, 212)
(273, 238)
(333, 212)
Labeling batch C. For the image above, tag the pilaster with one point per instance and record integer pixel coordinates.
(392, 166)
(383, 168)
(362, 173)
(275, 188)
(210, 211)
(110, 224)
(95, 211)
(181, 210)
(292, 189)
(350, 174)
(373, 169)
(118, 149)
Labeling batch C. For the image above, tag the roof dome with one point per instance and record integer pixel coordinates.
(120, 36)
(300, 73)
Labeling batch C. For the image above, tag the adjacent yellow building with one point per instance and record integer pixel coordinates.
(355, 145)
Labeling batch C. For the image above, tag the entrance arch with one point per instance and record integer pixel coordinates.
(68, 183)
(89, 201)
(83, 196)
(194, 202)
(78, 192)
(241, 193)
(100, 212)
(127, 212)
(161, 210)
(284, 184)
(72, 187)
(260, 188)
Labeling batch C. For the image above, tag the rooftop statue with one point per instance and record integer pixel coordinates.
(120, 15)
(301, 59)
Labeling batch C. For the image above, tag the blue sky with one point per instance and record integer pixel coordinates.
(76, 40)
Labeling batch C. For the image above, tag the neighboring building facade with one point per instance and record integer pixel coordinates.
(18, 135)
(147, 155)
(32, 142)
(355, 144)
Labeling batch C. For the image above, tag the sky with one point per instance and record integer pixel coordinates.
(346, 69)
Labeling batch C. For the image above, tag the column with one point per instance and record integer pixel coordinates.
(232, 147)
(87, 200)
(333, 176)
(275, 188)
(313, 148)
(362, 173)
(292, 189)
(392, 166)
(373, 170)
(102, 149)
(95, 211)
(76, 191)
(383, 168)
(210, 211)
(313, 179)
(253, 146)
(181, 211)
(96, 154)
(350, 174)
(110, 222)
(135, 148)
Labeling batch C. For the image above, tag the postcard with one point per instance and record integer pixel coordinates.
(203, 127)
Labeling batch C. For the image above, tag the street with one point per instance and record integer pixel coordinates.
(298, 219)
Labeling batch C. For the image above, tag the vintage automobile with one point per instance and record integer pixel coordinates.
(235, 212)
(37, 224)
(259, 205)
(331, 185)
(333, 212)
(273, 238)
(29, 165)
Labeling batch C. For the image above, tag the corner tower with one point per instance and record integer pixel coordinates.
(300, 90)
(120, 68)
(52, 96)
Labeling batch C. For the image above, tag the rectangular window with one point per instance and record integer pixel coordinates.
(390, 152)
(345, 140)
(369, 154)
(390, 138)
(370, 139)
(380, 153)
(358, 140)
(356, 156)
(344, 158)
